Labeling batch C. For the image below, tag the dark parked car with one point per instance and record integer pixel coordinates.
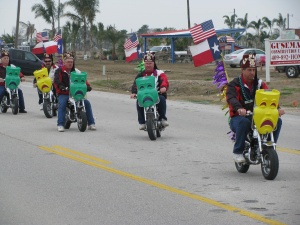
(27, 61)
(290, 71)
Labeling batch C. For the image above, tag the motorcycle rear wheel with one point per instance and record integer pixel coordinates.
(67, 121)
(3, 105)
(271, 166)
(151, 128)
(15, 106)
(242, 168)
(47, 109)
(81, 121)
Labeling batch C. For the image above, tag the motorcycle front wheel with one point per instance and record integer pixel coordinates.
(270, 166)
(81, 121)
(3, 105)
(15, 106)
(47, 107)
(242, 168)
(151, 128)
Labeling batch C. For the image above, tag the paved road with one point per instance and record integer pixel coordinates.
(116, 175)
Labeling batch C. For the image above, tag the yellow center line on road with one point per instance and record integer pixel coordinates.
(288, 150)
(158, 185)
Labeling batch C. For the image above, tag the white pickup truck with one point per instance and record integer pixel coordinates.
(165, 49)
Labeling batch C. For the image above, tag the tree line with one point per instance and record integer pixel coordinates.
(81, 32)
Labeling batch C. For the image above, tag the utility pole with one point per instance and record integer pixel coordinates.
(233, 18)
(188, 13)
(288, 20)
(17, 24)
(58, 14)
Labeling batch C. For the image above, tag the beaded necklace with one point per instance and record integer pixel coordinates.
(246, 96)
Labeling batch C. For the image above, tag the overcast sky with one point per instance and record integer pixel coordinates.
(131, 15)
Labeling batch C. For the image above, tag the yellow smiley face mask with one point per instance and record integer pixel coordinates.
(43, 81)
(266, 110)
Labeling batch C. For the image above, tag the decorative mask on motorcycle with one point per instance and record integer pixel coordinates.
(265, 112)
(43, 81)
(147, 94)
(78, 86)
(12, 79)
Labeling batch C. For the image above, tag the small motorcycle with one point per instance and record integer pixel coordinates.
(75, 111)
(260, 147)
(147, 97)
(11, 97)
(44, 84)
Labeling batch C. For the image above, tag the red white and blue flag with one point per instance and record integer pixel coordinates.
(42, 36)
(131, 42)
(206, 51)
(133, 53)
(202, 31)
(59, 40)
(226, 39)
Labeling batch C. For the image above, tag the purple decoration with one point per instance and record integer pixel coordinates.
(220, 79)
(231, 135)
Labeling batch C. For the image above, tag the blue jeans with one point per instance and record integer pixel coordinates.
(62, 104)
(21, 97)
(162, 109)
(241, 126)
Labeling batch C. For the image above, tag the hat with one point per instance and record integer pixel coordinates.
(47, 56)
(249, 60)
(149, 57)
(4, 53)
(68, 55)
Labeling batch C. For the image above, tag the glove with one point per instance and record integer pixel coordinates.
(89, 88)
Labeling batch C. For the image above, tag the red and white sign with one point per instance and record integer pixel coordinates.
(284, 52)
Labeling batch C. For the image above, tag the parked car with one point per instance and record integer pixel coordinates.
(234, 59)
(27, 61)
(291, 71)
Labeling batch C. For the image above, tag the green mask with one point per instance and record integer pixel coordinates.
(78, 86)
(147, 94)
(12, 79)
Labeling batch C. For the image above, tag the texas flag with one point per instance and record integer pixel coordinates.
(133, 53)
(50, 47)
(206, 51)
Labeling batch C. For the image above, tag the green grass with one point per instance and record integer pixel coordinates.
(289, 91)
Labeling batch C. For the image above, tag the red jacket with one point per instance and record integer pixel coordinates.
(3, 74)
(62, 81)
(238, 96)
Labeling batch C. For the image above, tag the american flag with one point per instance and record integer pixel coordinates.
(202, 31)
(42, 36)
(226, 39)
(57, 36)
(132, 42)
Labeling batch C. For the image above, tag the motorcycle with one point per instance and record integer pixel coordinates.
(75, 111)
(260, 147)
(147, 97)
(44, 84)
(11, 97)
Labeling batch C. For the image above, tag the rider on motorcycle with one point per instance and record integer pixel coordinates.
(4, 63)
(62, 85)
(240, 97)
(163, 85)
(49, 64)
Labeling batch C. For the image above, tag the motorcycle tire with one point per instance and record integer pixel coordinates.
(47, 108)
(67, 121)
(15, 106)
(151, 128)
(3, 105)
(271, 166)
(241, 167)
(81, 121)
(54, 107)
(158, 134)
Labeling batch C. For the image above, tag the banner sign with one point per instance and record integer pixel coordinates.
(284, 52)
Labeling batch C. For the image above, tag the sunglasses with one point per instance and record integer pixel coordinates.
(47, 61)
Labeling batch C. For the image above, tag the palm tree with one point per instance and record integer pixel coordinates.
(257, 26)
(243, 22)
(230, 21)
(30, 29)
(267, 23)
(99, 34)
(70, 34)
(84, 14)
(48, 12)
(114, 36)
(280, 22)
(91, 15)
